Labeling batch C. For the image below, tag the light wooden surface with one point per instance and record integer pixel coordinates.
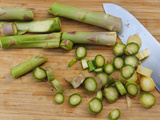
(26, 99)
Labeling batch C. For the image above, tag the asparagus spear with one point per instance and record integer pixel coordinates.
(21, 41)
(103, 38)
(107, 21)
(28, 65)
(8, 29)
(16, 14)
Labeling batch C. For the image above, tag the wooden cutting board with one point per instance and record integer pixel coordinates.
(26, 99)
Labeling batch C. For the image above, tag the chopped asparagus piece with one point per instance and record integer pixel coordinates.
(106, 21)
(118, 49)
(115, 114)
(72, 62)
(99, 95)
(22, 41)
(143, 54)
(111, 93)
(16, 14)
(132, 88)
(8, 29)
(147, 84)
(144, 71)
(66, 44)
(40, 26)
(135, 38)
(98, 70)
(59, 98)
(50, 75)
(57, 85)
(120, 88)
(91, 65)
(95, 105)
(92, 84)
(147, 100)
(28, 65)
(104, 78)
(84, 63)
(75, 99)
(77, 80)
(81, 52)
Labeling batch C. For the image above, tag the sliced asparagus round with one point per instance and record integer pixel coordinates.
(95, 105)
(59, 98)
(39, 73)
(147, 100)
(75, 99)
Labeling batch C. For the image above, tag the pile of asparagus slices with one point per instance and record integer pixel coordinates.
(13, 35)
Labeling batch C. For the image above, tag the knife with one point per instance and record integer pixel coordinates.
(131, 26)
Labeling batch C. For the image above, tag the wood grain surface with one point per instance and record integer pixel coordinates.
(26, 99)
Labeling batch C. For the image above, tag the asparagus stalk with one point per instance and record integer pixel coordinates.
(16, 14)
(40, 26)
(28, 65)
(106, 21)
(102, 38)
(66, 44)
(22, 41)
(8, 29)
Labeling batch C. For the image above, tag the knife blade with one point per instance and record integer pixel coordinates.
(131, 26)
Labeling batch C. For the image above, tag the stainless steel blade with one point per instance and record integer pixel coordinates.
(131, 26)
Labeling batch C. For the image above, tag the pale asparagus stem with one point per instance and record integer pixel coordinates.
(39, 40)
(66, 44)
(8, 29)
(28, 65)
(106, 21)
(16, 14)
(102, 38)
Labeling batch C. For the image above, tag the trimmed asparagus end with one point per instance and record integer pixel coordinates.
(66, 44)
(8, 29)
(84, 63)
(50, 75)
(77, 80)
(28, 65)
